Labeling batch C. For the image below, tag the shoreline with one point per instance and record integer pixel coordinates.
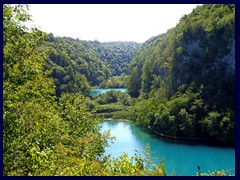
(175, 137)
(111, 119)
(210, 142)
(178, 139)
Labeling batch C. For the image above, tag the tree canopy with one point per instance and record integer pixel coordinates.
(42, 136)
(77, 65)
(183, 82)
(185, 78)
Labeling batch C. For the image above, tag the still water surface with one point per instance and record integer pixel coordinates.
(96, 91)
(178, 156)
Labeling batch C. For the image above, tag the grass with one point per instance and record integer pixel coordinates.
(116, 115)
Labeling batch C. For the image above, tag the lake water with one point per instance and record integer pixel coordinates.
(178, 156)
(101, 91)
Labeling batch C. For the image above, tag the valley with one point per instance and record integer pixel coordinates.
(58, 93)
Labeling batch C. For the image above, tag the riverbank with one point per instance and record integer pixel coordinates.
(187, 140)
(182, 157)
(118, 114)
(122, 120)
(174, 137)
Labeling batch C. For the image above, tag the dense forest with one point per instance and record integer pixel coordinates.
(180, 83)
(77, 65)
(185, 79)
(44, 134)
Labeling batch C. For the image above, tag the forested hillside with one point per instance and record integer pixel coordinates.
(182, 84)
(77, 65)
(42, 136)
(185, 78)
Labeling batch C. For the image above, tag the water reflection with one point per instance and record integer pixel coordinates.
(183, 158)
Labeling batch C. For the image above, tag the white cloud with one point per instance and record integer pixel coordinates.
(105, 22)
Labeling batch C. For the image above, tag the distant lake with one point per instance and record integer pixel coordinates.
(101, 91)
(181, 157)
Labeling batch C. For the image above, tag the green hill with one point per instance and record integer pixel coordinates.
(185, 78)
(76, 65)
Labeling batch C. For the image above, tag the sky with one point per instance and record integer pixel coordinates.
(108, 22)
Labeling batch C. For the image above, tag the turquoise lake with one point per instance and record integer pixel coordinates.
(181, 157)
(101, 91)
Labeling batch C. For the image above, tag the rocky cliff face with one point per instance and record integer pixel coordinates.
(200, 49)
(188, 77)
(229, 59)
(195, 62)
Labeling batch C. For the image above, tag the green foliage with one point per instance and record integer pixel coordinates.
(42, 136)
(108, 108)
(113, 104)
(113, 96)
(138, 165)
(192, 67)
(121, 114)
(216, 173)
(76, 63)
(116, 55)
(30, 123)
(113, 82)
(184, 115)
(66, 72)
